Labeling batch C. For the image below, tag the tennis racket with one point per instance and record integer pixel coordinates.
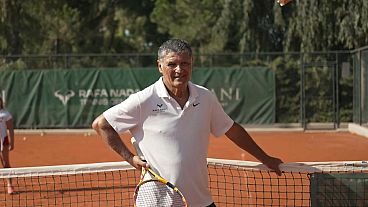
(155, 191)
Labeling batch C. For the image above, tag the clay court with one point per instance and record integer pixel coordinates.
(50, 148)
(32, 149)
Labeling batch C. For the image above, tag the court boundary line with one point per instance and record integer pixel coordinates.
(357, 129)
(293, 127)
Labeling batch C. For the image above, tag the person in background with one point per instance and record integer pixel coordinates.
(7, 140)
(171, 121)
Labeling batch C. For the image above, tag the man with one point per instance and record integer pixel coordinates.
(171, 121)
(6, 139)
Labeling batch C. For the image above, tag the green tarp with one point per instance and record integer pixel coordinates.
(73, 98)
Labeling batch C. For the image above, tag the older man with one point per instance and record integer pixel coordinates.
(171, 121)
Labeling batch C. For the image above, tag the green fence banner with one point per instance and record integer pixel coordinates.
(43, 99)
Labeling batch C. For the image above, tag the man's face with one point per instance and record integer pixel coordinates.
(176, 69)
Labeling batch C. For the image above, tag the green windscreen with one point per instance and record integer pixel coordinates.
(73, 98)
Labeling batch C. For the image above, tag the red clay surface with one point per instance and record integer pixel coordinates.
(60, 149)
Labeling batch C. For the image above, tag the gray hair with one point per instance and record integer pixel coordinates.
(174, 45)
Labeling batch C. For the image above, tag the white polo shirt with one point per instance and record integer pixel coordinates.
(4, 117)
(173, 140)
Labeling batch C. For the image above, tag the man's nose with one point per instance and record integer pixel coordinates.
(178, 68)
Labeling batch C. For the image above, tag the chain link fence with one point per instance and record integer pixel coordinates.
(360, 102)
(313, 90)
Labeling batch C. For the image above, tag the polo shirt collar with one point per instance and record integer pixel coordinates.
(162, 91)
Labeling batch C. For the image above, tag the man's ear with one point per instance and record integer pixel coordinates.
(159, 65)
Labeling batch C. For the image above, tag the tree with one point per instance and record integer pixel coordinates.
(218, 26)
(67, 26)
(111, 26)
(320, 25)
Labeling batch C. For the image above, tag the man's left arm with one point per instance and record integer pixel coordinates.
(240, 137)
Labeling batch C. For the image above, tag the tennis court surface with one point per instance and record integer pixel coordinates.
(321, 169)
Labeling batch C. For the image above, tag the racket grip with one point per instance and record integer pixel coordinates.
(171, 185)
(137, 150)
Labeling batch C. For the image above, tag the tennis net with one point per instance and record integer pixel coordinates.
(232, 183)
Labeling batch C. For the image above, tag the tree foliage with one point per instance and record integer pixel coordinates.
(327, 25)
(111, 26)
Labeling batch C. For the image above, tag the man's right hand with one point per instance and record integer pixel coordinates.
(138, 163)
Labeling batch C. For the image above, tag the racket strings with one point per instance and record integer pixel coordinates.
(154, 193)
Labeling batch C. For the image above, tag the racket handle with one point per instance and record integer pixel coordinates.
(137, 150)
(172, 186)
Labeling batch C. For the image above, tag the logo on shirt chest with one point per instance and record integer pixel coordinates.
(160, 108)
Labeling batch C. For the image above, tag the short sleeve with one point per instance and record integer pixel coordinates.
(220, 121)
(125, 115)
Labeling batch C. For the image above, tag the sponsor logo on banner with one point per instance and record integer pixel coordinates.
(227, 95)
(95, 97)
(64, 97)
(110, 97)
